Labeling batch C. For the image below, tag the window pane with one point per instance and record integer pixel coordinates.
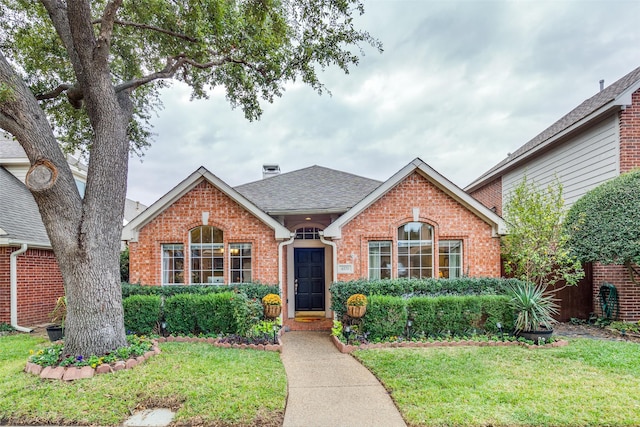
(207, 255)
(240, 262)
(379, 260)
(172, 264)
(415, 250)
(450, 258)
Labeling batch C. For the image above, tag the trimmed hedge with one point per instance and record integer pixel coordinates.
(142, 314)
(459, 315)
(193, 314)
(214, 312)
(386, 317)
(180, 314)
(406, 288)
(251, 290)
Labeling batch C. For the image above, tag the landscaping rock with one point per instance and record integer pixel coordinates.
(51, 373)
(131, 363)
(119, 365)
(33, 368)
(104, 369)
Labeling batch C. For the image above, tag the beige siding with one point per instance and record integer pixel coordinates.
(580, 164)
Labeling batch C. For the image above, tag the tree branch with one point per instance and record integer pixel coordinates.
(152, 28)
(107, 21)
(633, 272)
(173, 65)
(54, 93)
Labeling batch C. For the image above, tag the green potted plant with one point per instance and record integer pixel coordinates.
(272, 306)
(356, 305)
(534, 311)
(58, 316)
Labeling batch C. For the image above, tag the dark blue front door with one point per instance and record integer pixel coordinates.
(309, 276)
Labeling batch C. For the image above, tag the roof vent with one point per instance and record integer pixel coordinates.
(601, 85)
(270, 170)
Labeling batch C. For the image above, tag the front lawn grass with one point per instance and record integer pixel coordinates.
(587, 383)
(206, 385)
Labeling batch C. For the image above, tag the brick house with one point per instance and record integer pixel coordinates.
(305, 229)
(30, 279)
(595, 142)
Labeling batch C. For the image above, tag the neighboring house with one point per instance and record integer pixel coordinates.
(595, 142)
(30, 279)
(306, 229)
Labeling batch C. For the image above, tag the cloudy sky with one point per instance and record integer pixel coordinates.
(460, 84)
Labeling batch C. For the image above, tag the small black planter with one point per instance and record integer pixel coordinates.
(536, 335)
(56, 333)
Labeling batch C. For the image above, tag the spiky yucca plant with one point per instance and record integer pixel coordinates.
(532, 306)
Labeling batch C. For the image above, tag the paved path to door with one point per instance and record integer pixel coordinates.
(331, 389)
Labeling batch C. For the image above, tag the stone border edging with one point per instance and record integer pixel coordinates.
(216, 343)
(344, 348)
(71, 373)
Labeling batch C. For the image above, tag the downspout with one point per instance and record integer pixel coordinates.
(281, 245)
(13, 274)
(334, 252)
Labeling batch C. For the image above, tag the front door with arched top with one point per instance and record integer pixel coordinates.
(309, 279)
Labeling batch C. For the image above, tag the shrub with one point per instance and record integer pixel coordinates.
(214, 313)
(142, 314)
(252, 290)
(459, 315)
(340, 291)
(180, 314)
(386, 317)
(247, 312)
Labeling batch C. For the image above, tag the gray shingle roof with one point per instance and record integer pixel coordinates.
(10, 148)
(309, 190)
(583, 110)
(19, 215)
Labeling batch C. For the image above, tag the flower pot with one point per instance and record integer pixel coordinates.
(356, 311)
(55, 333)
(272, 311)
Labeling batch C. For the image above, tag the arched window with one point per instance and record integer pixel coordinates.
(415, 250)
(207, 255)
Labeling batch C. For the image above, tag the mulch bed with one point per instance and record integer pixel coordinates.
(570, 330)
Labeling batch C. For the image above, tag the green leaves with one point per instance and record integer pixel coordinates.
(250, 47)
(535, 248)
(604, 224)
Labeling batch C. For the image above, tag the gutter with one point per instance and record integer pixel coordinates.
(334, 252)
(13, 268)
(281, 245)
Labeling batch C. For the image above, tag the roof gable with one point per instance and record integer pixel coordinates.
(611, 98)
(487, 215)
(315, 189)
(20, 220)
(130, 230)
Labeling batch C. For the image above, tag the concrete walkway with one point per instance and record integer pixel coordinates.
(328, 388)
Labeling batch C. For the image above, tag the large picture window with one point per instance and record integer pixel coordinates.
(207, 255)
(450, 258)
(172, 264)
(380, 260)
(240, 261)
(415, 250)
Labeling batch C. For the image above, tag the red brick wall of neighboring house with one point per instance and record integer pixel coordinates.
(173, 225)
(628, 292)
(451, 220)
(39, 285)
(630, 135)
(490, 195)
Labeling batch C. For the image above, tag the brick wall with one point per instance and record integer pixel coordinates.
(451, 220)
(39, 285)
(628, 292)
(630, 135)
(490, 195)
(173, 225)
